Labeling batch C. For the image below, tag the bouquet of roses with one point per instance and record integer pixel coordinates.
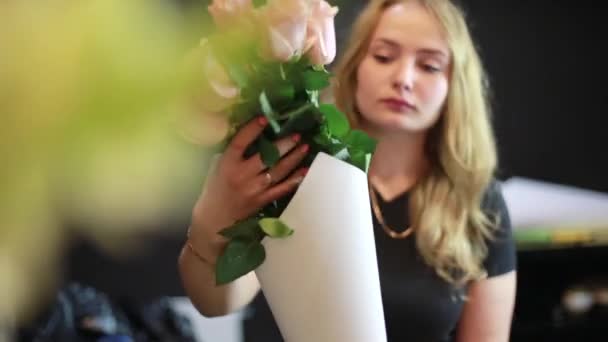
(270, 57)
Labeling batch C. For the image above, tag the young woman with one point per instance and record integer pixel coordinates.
(410, 77)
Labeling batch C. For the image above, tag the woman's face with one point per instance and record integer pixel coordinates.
(402, 82)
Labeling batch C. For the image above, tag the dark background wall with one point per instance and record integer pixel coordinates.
(545, 59)
(546, 62)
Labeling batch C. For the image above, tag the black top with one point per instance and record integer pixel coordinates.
(418, 304)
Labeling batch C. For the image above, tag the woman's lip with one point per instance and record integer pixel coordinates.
(398, 104)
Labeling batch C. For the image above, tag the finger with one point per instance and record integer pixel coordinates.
(287, 144)
(261, 183)
(255, 165)
(283, 188)
(245, 137)
(288, 164)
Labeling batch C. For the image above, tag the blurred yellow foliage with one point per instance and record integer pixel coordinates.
(87, 97)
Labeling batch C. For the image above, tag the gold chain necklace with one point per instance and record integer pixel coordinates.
(378, 213)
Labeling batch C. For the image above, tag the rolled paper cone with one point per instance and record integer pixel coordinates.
(322, 282)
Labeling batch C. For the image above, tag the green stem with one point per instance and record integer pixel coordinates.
(283, 76)
(296, 111)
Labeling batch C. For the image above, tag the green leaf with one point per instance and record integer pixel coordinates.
(281, 95)
(315, 79)
(269, 112)
(286, 91)
(336, 121)
(322, 139)
(275, 228)
(359, 140)
(301, 119)
(242, 113)
(248, 229)
(329, 144)
(268, 151)
(359, 159)
(240, 257)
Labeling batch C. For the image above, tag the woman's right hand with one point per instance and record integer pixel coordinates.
(237, 187)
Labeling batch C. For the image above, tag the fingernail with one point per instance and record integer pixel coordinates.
(298, 180)
(262, 121)
(305, 148)
(304, 171)
(296, 137)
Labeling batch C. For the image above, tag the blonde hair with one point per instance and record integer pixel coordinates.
(445, 205)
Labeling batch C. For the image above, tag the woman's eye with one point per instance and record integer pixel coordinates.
(431, 68)
(382, 59)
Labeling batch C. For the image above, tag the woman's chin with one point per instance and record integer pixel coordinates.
(390, 125)
(401, 128)
(396, 125)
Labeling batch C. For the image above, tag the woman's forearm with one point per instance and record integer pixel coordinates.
(198, 279)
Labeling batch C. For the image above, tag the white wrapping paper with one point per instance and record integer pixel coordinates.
(322, 282)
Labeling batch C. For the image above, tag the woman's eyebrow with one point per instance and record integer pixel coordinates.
(433, 52)
(387, 41)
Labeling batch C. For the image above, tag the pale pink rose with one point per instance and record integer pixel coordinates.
(227, 13)
(321, 36)
(218, 91)
(218, 79)
(285, 22)
(210, 84)
(202, 115)
(202, 128)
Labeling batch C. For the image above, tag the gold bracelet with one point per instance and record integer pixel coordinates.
(195, 252)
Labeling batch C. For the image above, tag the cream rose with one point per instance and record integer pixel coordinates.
(285, 22)
(321, 36)
(202, 117)
(216, 91)
(227, 13)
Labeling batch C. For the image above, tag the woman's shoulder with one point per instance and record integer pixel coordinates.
(493, 200)
(501, 256)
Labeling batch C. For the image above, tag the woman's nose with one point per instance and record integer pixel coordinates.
(404, 76)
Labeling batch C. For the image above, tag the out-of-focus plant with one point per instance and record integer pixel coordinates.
(88, 94)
